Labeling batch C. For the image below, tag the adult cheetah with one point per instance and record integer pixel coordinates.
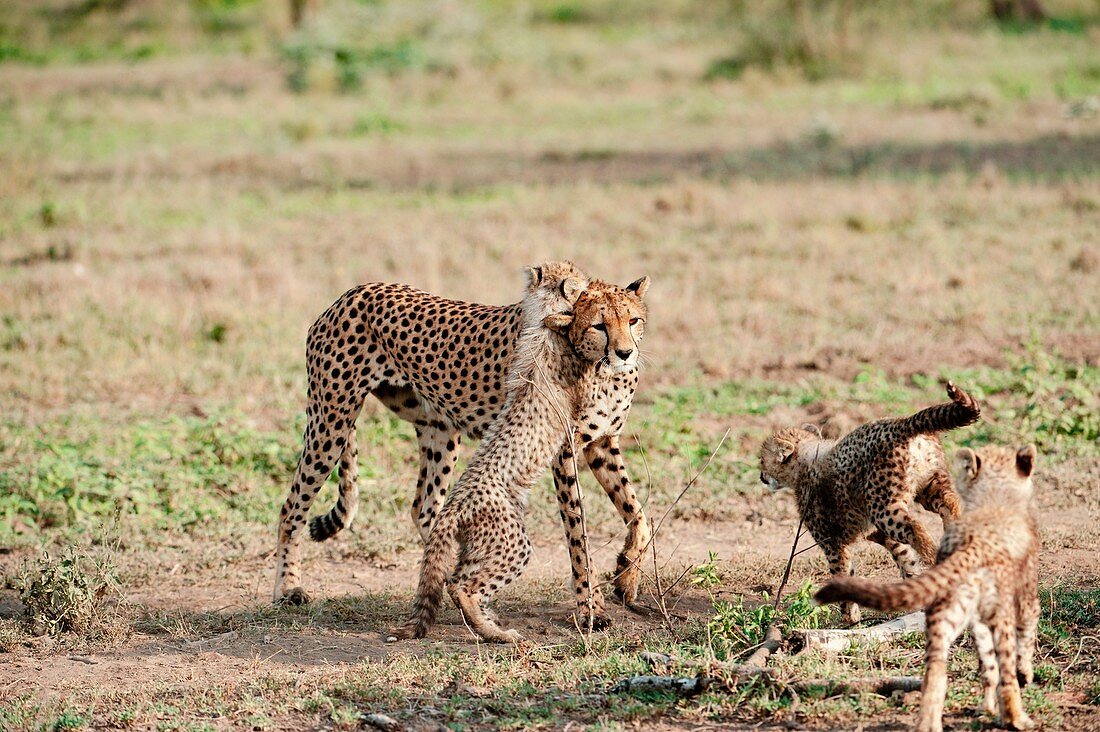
(440, 364)
(558, 372)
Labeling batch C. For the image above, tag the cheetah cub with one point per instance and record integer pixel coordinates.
(866, 481)
(561, 366)
(986, 577)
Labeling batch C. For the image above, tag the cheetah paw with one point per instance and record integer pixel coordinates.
(1021, 723)
(600, 620)
(296, 597)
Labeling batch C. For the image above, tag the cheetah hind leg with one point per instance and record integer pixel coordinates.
(479, 618)
(939, 496)
(475, 581)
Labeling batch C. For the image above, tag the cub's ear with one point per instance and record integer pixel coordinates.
(1025, 460)
(639, 286)
(812, 428)
(968, 460)
(784, 451)
(534, 277)
(571, 288)
(559, 322)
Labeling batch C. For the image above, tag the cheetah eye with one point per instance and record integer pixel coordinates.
(635, 321)
(601, 327)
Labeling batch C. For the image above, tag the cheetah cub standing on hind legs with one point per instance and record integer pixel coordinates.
(986, 576)
(561, 366)
(440, 364)
(866, 481)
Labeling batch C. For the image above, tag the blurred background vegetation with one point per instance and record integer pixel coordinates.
(334, 44)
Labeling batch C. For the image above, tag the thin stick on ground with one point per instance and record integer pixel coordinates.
(787, 571)
(663, 592)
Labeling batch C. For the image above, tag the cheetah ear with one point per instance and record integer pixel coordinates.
(639, 286)
(534, 277)
(1025, 460)
(968, 460)
(812, 428)
(784, 451)
(558, 323)
(571, 288)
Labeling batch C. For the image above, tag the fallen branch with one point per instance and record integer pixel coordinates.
(682, 685)
(842, 640)
(382, 722)
(838, 687)
(732, 676)
(773, 639)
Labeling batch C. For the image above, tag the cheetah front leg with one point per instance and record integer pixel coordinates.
(590, 606)
(840, 565)
(606, 461)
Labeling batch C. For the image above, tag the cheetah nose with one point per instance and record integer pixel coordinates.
(624, 354)
(763, 479)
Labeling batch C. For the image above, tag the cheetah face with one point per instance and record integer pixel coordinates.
(609, 324)
(780, 459)
(994, 475)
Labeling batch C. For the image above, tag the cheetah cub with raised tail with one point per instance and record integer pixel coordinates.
(862, 485)
(563, 364)
(986, 576)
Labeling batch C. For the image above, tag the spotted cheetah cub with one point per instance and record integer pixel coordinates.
(866, 481)
(561, 366)
(986, 576)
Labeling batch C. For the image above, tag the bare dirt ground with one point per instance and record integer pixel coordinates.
(335, 641)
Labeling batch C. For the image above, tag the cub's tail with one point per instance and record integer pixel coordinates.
(343, 513)
(439, 557)
(962, 410)
(911, 594)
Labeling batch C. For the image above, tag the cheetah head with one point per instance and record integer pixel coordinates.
(785, 453)
(607, 323)
(556, 285)
(994, 475)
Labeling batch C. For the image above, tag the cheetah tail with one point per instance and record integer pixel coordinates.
(911, 594)
(343, 513)
(439, 557)
(962, 410)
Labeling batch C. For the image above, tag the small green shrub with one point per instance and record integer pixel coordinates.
(69, 720)
(808, 35)
(734, 627)
(67, 595)
(707, 575)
